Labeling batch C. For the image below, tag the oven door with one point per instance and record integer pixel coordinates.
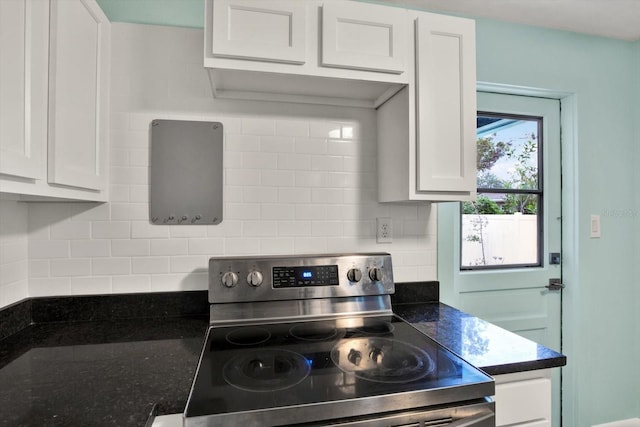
(478, 413)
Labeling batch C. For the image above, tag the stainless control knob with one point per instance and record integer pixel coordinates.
(354, 275)
(375, 274)
(229, 279)
(254, 278)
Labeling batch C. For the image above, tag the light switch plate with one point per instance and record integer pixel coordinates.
(595, 231)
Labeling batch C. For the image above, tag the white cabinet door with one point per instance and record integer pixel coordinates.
(364, 36)
(446, 104)
(23, 87)
(258, 30)
(78, 94)
(524, 399)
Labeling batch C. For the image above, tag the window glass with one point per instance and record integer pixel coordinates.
(502, 228)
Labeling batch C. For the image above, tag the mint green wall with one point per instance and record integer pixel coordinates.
(601, 324)
(176, 13)
(600, 79)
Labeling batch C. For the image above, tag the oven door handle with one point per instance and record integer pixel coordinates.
(474, 420)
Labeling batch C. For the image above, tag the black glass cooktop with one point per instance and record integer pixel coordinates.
(279, 365)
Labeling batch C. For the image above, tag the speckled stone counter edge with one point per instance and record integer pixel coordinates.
(30, 311)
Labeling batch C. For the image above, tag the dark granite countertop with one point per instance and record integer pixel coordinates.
(485, 345)
(107, 360)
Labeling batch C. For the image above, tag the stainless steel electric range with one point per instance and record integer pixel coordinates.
(312, 340)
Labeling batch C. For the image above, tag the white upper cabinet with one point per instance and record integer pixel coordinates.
(426, 133)
(446, 104)
(78, 94)
(263, 31)
(54, 78)
(23, 88)
(365, 37)
(333, 52)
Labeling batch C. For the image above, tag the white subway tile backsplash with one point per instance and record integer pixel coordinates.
(259, 195)
(129, 247)
(129, 211)
(128, 175)
(138, 194)
(242, 211)
(292, 128)
(39, 268)
(45, 249)
(327, 195)
(227, 228)
(277, 178)
(291, 161)
(260, 160)
(90, 212)
(276, 144)
(180, 231)
(310, 245)
(71, 230)
(294, 195)
(337, 147)
(298, 179)
(260, 228)
(148, 265)
(256, 126)
(188, 264)
(90, 285)
(242, 177)
(311, 179)
(13, 272)
(311, 212)
(90, 248)
(146, 230)
(276, 246)
(70, 267)
(207, 246)
(294, 228)
(277, 211)
(326, 163)
(110, 266)
(110, 229)
(118, 193)
(179, 282)
(241, 143)
(41, 287)
(169, 247)
(131, 284)
(322, 129)
(311, 145)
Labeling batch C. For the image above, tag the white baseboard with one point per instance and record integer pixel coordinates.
(631, 422)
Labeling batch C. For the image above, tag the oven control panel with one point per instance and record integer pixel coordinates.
(249, 279)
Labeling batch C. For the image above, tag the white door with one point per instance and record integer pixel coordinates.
(497, 256)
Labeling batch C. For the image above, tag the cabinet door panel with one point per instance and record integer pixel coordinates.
(78, 94)
(446, 100)
(273, 31)
(22, 58)
(366, 37)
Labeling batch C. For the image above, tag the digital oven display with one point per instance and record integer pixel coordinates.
(317, 275)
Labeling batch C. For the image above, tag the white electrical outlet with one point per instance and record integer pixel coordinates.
(385, 230)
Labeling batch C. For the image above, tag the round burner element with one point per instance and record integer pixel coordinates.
(248, 336)
(376, 327)
(382, 360)
(266, 370)
(316, 331)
